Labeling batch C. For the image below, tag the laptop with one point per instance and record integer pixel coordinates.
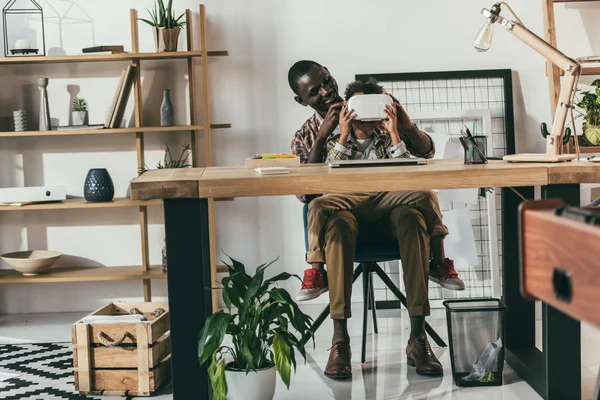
(384, 162)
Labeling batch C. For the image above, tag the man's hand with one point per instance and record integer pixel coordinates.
(404, 120)
(331, 120)
(346, 117)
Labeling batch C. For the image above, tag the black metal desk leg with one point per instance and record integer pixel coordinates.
(562, 334)
(188, 263)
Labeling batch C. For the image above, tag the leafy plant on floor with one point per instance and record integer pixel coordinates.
(169, 162)
(164, 17)
(266, 327)
(79, 104)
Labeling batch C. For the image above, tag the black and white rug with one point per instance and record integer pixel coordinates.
(46, 372)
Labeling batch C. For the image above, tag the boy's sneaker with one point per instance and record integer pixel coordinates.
(314, 285)
(445, 275)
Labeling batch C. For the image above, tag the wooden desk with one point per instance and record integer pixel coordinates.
(554, 373)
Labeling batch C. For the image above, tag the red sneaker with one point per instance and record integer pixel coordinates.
(314, 285)
(445, 275)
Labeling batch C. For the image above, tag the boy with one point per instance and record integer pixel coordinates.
(375, 140)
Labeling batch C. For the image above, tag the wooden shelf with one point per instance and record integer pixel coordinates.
(78, 58)
(589, 149)
(573, 1)
(74, 204)
(112, 131)
(84, 274)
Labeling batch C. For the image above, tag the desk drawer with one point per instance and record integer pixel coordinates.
(560, 261)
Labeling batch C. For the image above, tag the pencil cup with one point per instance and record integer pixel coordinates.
(475, 149)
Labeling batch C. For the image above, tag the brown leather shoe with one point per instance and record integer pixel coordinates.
(419, 354)
(339, 363)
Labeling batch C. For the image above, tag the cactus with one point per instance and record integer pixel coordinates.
(545, 133)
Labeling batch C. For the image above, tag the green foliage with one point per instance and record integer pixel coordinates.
(265, 325)
(169, 162)
(591, 104)
(164, 17)
(79, 104)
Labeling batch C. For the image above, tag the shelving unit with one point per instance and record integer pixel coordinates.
(145, 271)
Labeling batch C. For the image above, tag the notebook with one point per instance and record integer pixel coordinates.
(384, 162)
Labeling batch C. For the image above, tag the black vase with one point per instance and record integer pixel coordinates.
(98, 186)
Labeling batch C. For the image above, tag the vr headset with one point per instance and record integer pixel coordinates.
(369, 107)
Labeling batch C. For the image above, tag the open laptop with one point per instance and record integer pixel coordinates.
(384, 162)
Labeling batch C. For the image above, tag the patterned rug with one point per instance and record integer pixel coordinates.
(46, 372)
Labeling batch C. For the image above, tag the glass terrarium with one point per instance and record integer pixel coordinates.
(24, 33)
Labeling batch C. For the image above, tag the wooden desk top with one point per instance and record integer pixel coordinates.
(220, 182)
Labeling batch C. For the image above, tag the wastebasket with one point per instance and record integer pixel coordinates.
(476, 336)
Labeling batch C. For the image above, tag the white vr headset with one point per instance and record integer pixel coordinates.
(369, 107)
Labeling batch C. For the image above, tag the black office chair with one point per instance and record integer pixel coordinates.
(367, 256)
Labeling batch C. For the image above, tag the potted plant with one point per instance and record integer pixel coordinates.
(590, 103)
(79, 111)
(166, 27)
(265, 326)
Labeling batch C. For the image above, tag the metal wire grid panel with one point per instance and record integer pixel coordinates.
(442, 103)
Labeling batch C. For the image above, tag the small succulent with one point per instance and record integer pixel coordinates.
(80, 104)
(164, 17)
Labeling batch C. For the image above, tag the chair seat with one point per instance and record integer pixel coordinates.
(367, 253)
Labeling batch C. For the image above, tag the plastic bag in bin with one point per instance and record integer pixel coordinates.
(487, 364)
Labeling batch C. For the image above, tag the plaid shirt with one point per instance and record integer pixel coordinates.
(382, 143)
(306, 136)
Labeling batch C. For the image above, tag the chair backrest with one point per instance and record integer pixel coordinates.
(365, 253)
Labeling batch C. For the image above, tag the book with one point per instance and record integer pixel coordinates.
(77, 127)
(98, 49)
(113, 105)
(124, 92)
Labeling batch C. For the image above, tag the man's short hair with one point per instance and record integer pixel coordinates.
(369, 87)
(298, 70)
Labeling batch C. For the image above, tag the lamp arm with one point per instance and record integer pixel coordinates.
(567, 92)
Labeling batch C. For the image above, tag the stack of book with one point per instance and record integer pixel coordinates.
(119, 103)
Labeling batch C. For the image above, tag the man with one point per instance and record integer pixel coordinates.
(314, 87)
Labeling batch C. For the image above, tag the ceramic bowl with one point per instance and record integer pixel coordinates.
(33, 262)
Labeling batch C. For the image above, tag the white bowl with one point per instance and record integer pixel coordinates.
(33, 262)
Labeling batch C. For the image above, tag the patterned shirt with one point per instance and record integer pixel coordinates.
(382, 147)
(306, 136)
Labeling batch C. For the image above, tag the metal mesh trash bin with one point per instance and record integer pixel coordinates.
(476, 336)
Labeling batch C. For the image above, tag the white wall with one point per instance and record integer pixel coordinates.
(249, 89)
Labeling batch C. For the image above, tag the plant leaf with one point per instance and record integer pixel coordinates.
(212, 334)
(281, 358)
(216, 374)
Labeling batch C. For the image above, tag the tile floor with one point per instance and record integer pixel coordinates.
(384, 375)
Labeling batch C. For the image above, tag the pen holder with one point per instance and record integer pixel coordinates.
(475, 149)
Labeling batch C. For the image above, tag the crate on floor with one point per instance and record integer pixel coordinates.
(124, 358)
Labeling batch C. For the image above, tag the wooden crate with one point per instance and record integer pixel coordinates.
(137, 362)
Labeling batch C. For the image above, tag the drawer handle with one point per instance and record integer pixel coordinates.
(561, 283)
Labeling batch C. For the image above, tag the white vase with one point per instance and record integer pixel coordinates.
(259, 385)
(79, 117)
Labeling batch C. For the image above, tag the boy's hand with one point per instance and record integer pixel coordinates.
(346, 116)
(391, 123)
(331, 120)
(402, 116)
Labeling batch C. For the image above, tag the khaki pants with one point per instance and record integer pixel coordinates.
(408, 218)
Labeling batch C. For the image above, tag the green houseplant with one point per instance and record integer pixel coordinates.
(169, 162)
(165, 26)
(590, 103)
(79, 109)
(265, 326)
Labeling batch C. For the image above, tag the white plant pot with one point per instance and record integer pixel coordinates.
(79, 117)
(259, 385)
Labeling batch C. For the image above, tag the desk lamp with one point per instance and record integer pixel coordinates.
(572, 72)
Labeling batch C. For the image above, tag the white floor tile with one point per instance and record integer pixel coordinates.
(384, 376)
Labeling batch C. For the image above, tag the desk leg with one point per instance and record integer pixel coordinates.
(188, 281)
(521, 352)
(562, 334)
